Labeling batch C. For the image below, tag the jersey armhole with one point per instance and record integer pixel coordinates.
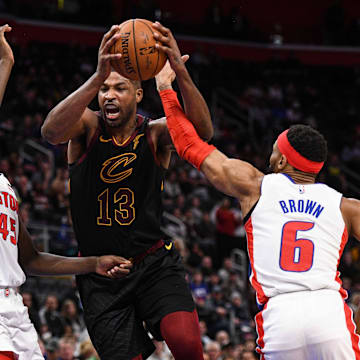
(152, 147)
(91, 144)
(248, 215)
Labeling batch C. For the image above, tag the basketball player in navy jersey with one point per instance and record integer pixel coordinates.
(296, 232)
(18, 337)
(117, 162)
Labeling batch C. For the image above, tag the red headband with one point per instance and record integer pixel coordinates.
(294, 158)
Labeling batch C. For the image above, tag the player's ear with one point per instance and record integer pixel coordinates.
(139, 95)
(282, 162)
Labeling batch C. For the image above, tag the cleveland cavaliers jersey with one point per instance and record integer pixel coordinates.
(115, 194)
(296, 235)
(11, 274)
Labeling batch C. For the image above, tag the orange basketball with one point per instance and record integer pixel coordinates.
(140, 59)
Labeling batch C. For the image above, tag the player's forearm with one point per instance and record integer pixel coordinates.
(183, 134)
(5, 70)
(195, 106)
(64, 116)
(49, 264)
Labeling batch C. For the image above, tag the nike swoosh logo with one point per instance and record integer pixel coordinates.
(168, 247)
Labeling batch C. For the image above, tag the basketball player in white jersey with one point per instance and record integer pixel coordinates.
(18, 338)
(296, 233)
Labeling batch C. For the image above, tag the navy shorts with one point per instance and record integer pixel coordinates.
(117, 309)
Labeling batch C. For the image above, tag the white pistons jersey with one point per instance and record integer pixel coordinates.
(11, 274)
(296, 235)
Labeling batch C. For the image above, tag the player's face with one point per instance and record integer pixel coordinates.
(118, 99)
(275, 158)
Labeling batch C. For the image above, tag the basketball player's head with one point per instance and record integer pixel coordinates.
(301, 148)
(118, 98)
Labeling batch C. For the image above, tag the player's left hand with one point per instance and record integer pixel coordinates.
(113, 266)
(167, 75)
(168, 45)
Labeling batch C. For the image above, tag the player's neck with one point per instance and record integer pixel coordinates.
(300, 177)
(123, 131)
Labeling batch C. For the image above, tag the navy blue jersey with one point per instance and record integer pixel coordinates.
(115, 194)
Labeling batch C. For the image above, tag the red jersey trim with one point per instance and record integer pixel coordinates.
(344, 239)
(352, 330)
(261, 297)
(259, 321)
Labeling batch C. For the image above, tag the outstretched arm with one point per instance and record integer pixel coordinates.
(38, 263)
(71, 116)
(6, 60)
(195, 106)
(233, 177)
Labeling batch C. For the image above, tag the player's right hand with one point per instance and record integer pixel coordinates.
(104, 55)
(5, 49)
(168, 44)
(113, 266)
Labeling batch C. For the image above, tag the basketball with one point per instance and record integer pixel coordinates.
(140, 59)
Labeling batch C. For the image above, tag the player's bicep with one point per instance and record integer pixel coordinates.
(231, 176)
(56, 131)
(350, 209)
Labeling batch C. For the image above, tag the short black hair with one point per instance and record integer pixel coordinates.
(308, 142)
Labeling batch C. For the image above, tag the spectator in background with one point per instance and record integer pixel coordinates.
(52, 350)
(67, 349)
(213, 350)
(227, 268)
(71, 318)
(59, 189)
(248, 355)
(233, 284)
(220, 316)
(171, 186)
(207, 267)
(222, 337)
(198, 286)
(240, 312)
(205, 339)
(213, 281)
(87, 351)
(205, 232)
(226, 224)
(50, 316)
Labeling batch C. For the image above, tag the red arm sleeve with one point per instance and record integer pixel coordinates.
(187, 142)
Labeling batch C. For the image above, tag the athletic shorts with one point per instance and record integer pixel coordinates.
(17, 333)
(116, 310)
(307, 325)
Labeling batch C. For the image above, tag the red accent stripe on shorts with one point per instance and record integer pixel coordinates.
(259, 320)
(344, 240)
(352, 329)
(262, 298)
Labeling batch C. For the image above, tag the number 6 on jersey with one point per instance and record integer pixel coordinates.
(296, 254)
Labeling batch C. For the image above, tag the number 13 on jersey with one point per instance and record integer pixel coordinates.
(296, 254)
(120, 206)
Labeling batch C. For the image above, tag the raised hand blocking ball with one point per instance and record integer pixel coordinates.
(140, 59)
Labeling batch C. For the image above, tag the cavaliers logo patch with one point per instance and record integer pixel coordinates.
(113, 168)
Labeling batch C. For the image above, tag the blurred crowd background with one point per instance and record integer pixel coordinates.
(250, 104)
